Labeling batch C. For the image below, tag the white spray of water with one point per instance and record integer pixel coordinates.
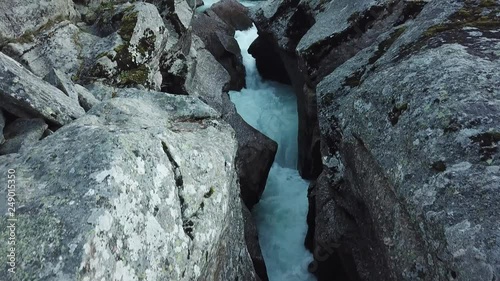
(281, 213)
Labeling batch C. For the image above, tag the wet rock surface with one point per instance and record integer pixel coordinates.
(408, 117)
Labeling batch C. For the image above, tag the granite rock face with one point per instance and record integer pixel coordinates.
(25, 95)
(31, 15)
(407, 104)
(143, 186)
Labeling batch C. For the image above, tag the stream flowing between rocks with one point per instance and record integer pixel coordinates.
(280, 215)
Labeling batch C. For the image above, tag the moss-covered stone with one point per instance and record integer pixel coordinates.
(482, 15)
(29, 36)
(396, 112)
(147, 43)
(128, 23)
(137, 76)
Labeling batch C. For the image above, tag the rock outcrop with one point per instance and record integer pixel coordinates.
(21, 18)
(143, 186)
(216, 28)
(25, 95)
(255, 151)
(119, 181)
(407, 101)
(123, 47)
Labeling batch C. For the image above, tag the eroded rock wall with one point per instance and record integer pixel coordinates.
(407, 105)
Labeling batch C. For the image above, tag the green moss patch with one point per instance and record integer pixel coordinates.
(128, 23)
(482, 15)
(136, 76)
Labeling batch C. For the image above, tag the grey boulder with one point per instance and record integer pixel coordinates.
(76, 92)
(22, 134)
(144, 185)
(22, 17)
(25, 95)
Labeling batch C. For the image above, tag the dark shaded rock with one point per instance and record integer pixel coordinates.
(216, 28)
(22, 133)
(332, 260)
(26, 95)
(2, 125)
(233, 14)
(197, 3)
(255, 155)
(268, 61)
(76, 92)
(252, 241)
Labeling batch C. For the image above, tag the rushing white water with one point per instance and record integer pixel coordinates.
(281, 213)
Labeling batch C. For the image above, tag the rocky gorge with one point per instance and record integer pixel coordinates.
(124, 158)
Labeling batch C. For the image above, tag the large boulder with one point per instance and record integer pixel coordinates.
(25, 95)
(20, 18)
(123, 47)
(136, 60)
(58, 46)
(232, 13)
(143, 186)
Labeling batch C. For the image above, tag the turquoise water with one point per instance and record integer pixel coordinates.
(281, 213)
